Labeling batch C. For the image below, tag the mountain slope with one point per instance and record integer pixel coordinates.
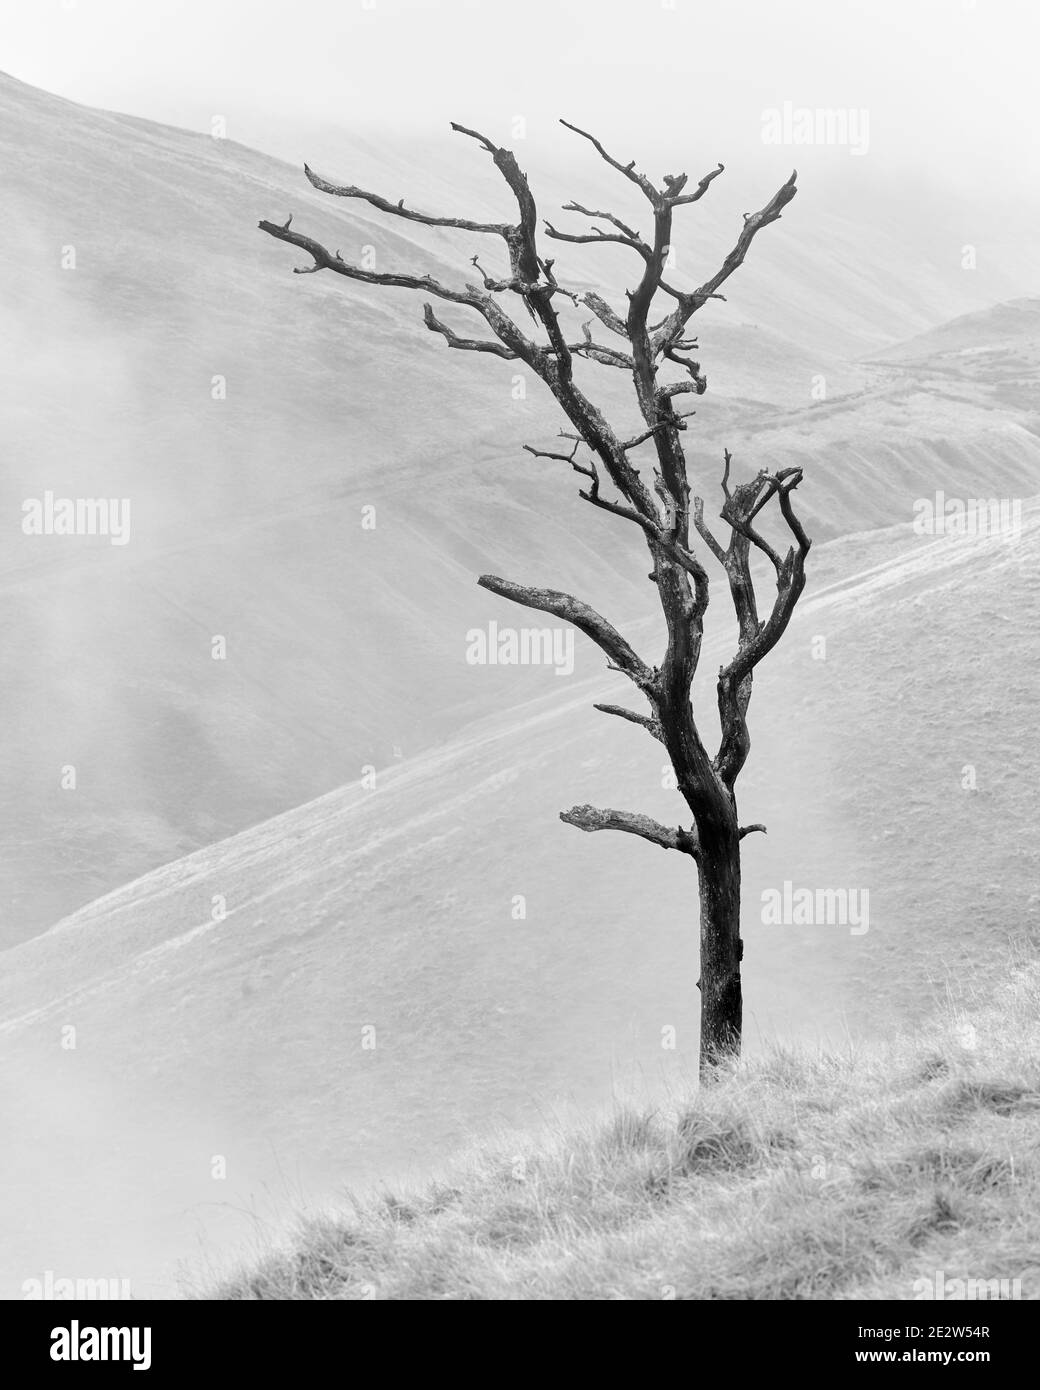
(992, 354)
(395, 909)
(134, 285)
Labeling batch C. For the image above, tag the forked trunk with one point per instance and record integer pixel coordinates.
(722, 1007)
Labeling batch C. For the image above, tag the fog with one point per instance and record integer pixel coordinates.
(202, 1036)
(947, 83)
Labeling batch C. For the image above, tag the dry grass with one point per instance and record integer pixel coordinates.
(798, 1176)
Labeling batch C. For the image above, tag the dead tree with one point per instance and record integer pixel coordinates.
(662, 510)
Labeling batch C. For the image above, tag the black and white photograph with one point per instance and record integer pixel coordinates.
(519, 581)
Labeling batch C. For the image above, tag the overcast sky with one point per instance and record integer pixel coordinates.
(949, 85)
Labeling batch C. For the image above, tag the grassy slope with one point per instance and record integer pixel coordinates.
(802, 1175)
(240, 518)
(392, 909)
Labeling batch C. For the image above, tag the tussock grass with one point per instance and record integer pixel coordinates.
(796, 1176)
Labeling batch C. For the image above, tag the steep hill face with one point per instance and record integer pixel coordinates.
(158, 349)
(351, 990)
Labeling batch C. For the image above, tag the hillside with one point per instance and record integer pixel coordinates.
(346, 647)
(1016, 323)
(393, 909)
(902, 1171)
(993, 355)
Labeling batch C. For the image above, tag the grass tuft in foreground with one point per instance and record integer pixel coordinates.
(798, 1176)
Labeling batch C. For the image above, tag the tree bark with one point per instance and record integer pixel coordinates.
(718, 867)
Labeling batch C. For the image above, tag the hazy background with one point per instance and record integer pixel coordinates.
(238, 1036)
(948, 83)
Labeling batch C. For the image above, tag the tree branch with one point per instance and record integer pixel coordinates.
(666, 540)
(704, 532)
(608, 356)
(399, 210)
(605, 313)
(629, 169)
(624, 236)
(622, 227)
(646, 721)
(790, 583)
(325, 260)
(753, 223)
(590, 818)
(572, 610)
(673, 424)
(504, 328)
(434, 324)
(756, 638)
(702, 188)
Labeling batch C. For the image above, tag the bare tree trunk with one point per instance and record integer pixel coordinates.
(718, 867)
